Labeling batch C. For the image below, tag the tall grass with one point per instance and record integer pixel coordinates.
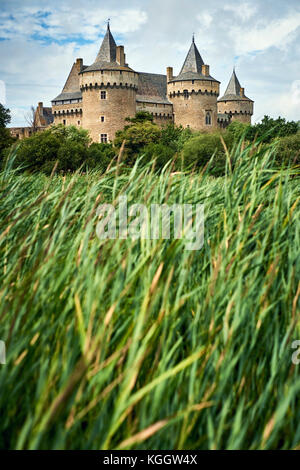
(141, 344)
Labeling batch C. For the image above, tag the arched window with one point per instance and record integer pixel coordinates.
(208, 118)
(186, 94)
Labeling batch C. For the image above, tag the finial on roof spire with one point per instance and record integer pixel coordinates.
(193, 39)
(108, 21)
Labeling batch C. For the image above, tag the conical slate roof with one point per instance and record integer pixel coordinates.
(107, 55)
(193, 61)
(108, 49)
(233, 90)
(233, 87)
(192, 66)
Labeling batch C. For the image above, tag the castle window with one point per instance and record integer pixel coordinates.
(64, 122)
(102, 118)
(186, 94)
(208, 118)
(78, 123)
(103, 95)
(103, 138)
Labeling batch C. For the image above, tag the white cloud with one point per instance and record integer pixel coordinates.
(62, 22)
(263, 35)
(205, 19)
(244, 11)
(289, 101)
(2, 92)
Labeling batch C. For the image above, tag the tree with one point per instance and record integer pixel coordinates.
(269, 129)
(6, 140)
(69, 145)
(198, 150)
(140, 117)
(5, 116)
(288, 150)
(31, 119)
(160, 152)
(137, 136)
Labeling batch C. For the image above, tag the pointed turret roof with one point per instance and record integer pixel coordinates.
(108, 49)
(233, 90)
(193, 61)
(192, 66)
(107, 56)
(233, 87)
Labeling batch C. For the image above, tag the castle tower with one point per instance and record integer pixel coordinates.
(193, 93)
(235, 103)
(108, 89)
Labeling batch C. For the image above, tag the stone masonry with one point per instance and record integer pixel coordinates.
(99, 97)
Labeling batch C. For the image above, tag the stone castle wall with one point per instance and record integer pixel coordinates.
(162, 113)
(241, 110)
(120, 102)
(68, 114)
(191, 102)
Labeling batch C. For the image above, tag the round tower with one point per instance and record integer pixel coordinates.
(108, 89)
(194, 93)
(234, 102)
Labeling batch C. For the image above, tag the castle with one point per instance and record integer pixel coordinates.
(99, 97)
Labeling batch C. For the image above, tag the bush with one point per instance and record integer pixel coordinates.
(162, 153)
(198, 150)
(234, 132)
(137, 137)
(67, 145)
(174, 136)
(288, 150)
(100, 155)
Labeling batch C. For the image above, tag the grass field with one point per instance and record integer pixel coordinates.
(141, 344)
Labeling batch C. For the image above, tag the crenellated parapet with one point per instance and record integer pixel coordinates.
(108, 79)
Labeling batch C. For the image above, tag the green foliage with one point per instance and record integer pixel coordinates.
(160, 152)
(270, 129)
(175, 136)
(235, 132)
(198, 150)
(100, 155)
(5, 116)
(6, 141)
(67, 145)
(140, 117)
(137, 136)
(288, 150)
(107, 338)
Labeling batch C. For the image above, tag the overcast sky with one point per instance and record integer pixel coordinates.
(40, 40)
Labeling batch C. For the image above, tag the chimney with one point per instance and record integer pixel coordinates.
(121, 56)
(205, 70)
(242, 92)
(79, 64)
(40, 108)
(169, 73)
